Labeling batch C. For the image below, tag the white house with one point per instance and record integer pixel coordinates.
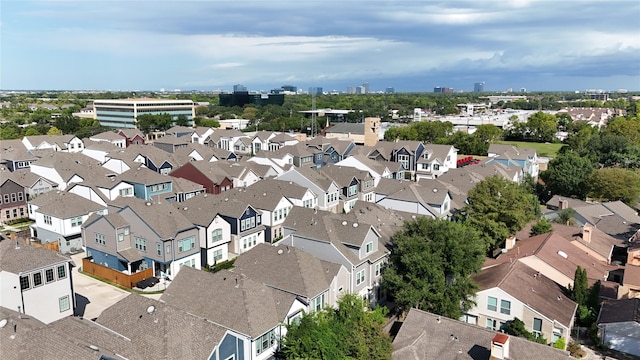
(327, 192)
(35, 282)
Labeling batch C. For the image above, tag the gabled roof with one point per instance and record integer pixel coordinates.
(180, 185)
(229, 299)
(24, 177)
(131, 133)
(287, 268)
(288, 189)
(531, 288)
(162, 217)
(332, 228)
(161, 331)
(344, 175)
(214, 171)
(599, 241)
(64, 205)
(281, 138)
(14, 150)
(614, 311)
(70, 164)
(107, 135)
(179, 129)
(316, 177)
(223, 204)
(511, 152)
(346, 128)
(16, 256)
(60, 140)
(142, 175)
(425, 335)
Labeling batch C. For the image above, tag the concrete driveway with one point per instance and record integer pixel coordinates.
(92, 296)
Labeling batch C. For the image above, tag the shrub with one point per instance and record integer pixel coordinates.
(559, 344)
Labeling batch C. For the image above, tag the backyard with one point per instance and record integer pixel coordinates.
(543, 149)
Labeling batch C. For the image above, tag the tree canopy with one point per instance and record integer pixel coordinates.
(568, 175)
(353, 331)
(611, 184)
(498, 208)
(431, 264)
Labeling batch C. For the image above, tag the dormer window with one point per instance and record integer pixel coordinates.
(369, 247)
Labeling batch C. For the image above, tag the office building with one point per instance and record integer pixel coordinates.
(239, 87)
(365, 88)
(123, 113)
(478, 87)
(442, 89)
(241, 98)
(389, 90)
(315, 90)
(290, 88)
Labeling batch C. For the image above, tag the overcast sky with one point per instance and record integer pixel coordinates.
(408, 45)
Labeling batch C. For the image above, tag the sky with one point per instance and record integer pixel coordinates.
(415, 45)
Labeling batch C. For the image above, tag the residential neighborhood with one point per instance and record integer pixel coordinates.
(220, 243)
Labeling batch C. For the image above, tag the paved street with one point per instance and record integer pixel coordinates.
(93, 296)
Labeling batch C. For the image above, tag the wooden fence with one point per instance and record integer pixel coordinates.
(115, 276)
(50, 245)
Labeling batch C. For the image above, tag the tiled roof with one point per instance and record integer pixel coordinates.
(529, 287)
(428, 336)
(24, 257)
(229, 299)
(286, 268)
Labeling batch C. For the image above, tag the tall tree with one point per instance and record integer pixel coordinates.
(580, 289)
(54, 131)
(431, 264)
(543, 226)
(352, 331)
(568, 175)
(611, 184)
(498, 208)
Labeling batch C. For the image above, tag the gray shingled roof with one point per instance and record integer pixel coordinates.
(107, 135)
(287, 188)
(24, 257)
(165, 332)
(143, 175)
(229, 299)
(162, 217)
(346, 128)
(70, 164)
(529, 287)
(425, 336)
(343, 175)
(624, 310)
(287, 268)
(64, 205)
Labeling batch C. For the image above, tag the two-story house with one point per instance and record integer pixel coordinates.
(416, 198)
(326, 190)
(210, 175)
(13, 199)
(255, 315)
(132, 136)
(354, 185)
(148, 184)
(525, 158)
(110, 137)
(102, 189)
(406, 153)
(64, 143)
(35, 282)
(328, 150)
(436, 160)
(15, 156)
(296, 194)
(377, 169)
(33, 184)
(514, 290)
(59, 216)
(358, 247)
(139, 234)
(66, 168)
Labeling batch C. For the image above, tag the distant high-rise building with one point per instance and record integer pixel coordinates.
(290, 88)
(315, 90)
(360, 90)
(389, 90)
(239, 87)
(241, 98)
(365, 87)
(478, 87)
(523, 90)
(351, 90)
(442, 89)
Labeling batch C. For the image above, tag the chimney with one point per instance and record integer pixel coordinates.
(564, 204)
(500, 347)
(586, 233)
(510, 243)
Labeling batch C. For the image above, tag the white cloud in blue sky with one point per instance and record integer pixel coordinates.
(409, 45)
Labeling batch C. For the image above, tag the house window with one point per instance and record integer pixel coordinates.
(252, 222)
(64, 303)
(7, 214)
(265, 341)
(537, 326)
(359, 277)
(295, 318)
(492, 304)
(425, 166)
(20, 196)
(47, 220)
(62, 272)
(100, 239)
(470, 319)
(436, 167)
(24, 282)
(49, 277)
(378, 269)
(352, 190)
(217, 255)
(13, 197)
(492, 324)
(404, 160)
(37, 279)
(505, 307)
(125, 192)
(76, 221)
(186, 244)
(318, 303)
(168, 249)
(216, 235)
(6, 198)
(140, 243)
(159, 249)
(126, 230)
(369, 247)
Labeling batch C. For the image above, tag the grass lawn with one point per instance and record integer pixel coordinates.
(543, 149)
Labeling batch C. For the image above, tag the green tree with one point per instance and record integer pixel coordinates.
(543, 226)
(488, 133)
(352, 331)
(182, 120)
(565, 216)
(431, 264)
(568, 175)
(516, 327)
(542, 126)
(612, 184)
(580, 288)
(498, 208)
(31, 131)
(54, 131)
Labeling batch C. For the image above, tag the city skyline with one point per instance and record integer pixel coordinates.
(410, 46)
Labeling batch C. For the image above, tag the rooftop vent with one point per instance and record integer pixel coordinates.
(344, 223)
(150, 309)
